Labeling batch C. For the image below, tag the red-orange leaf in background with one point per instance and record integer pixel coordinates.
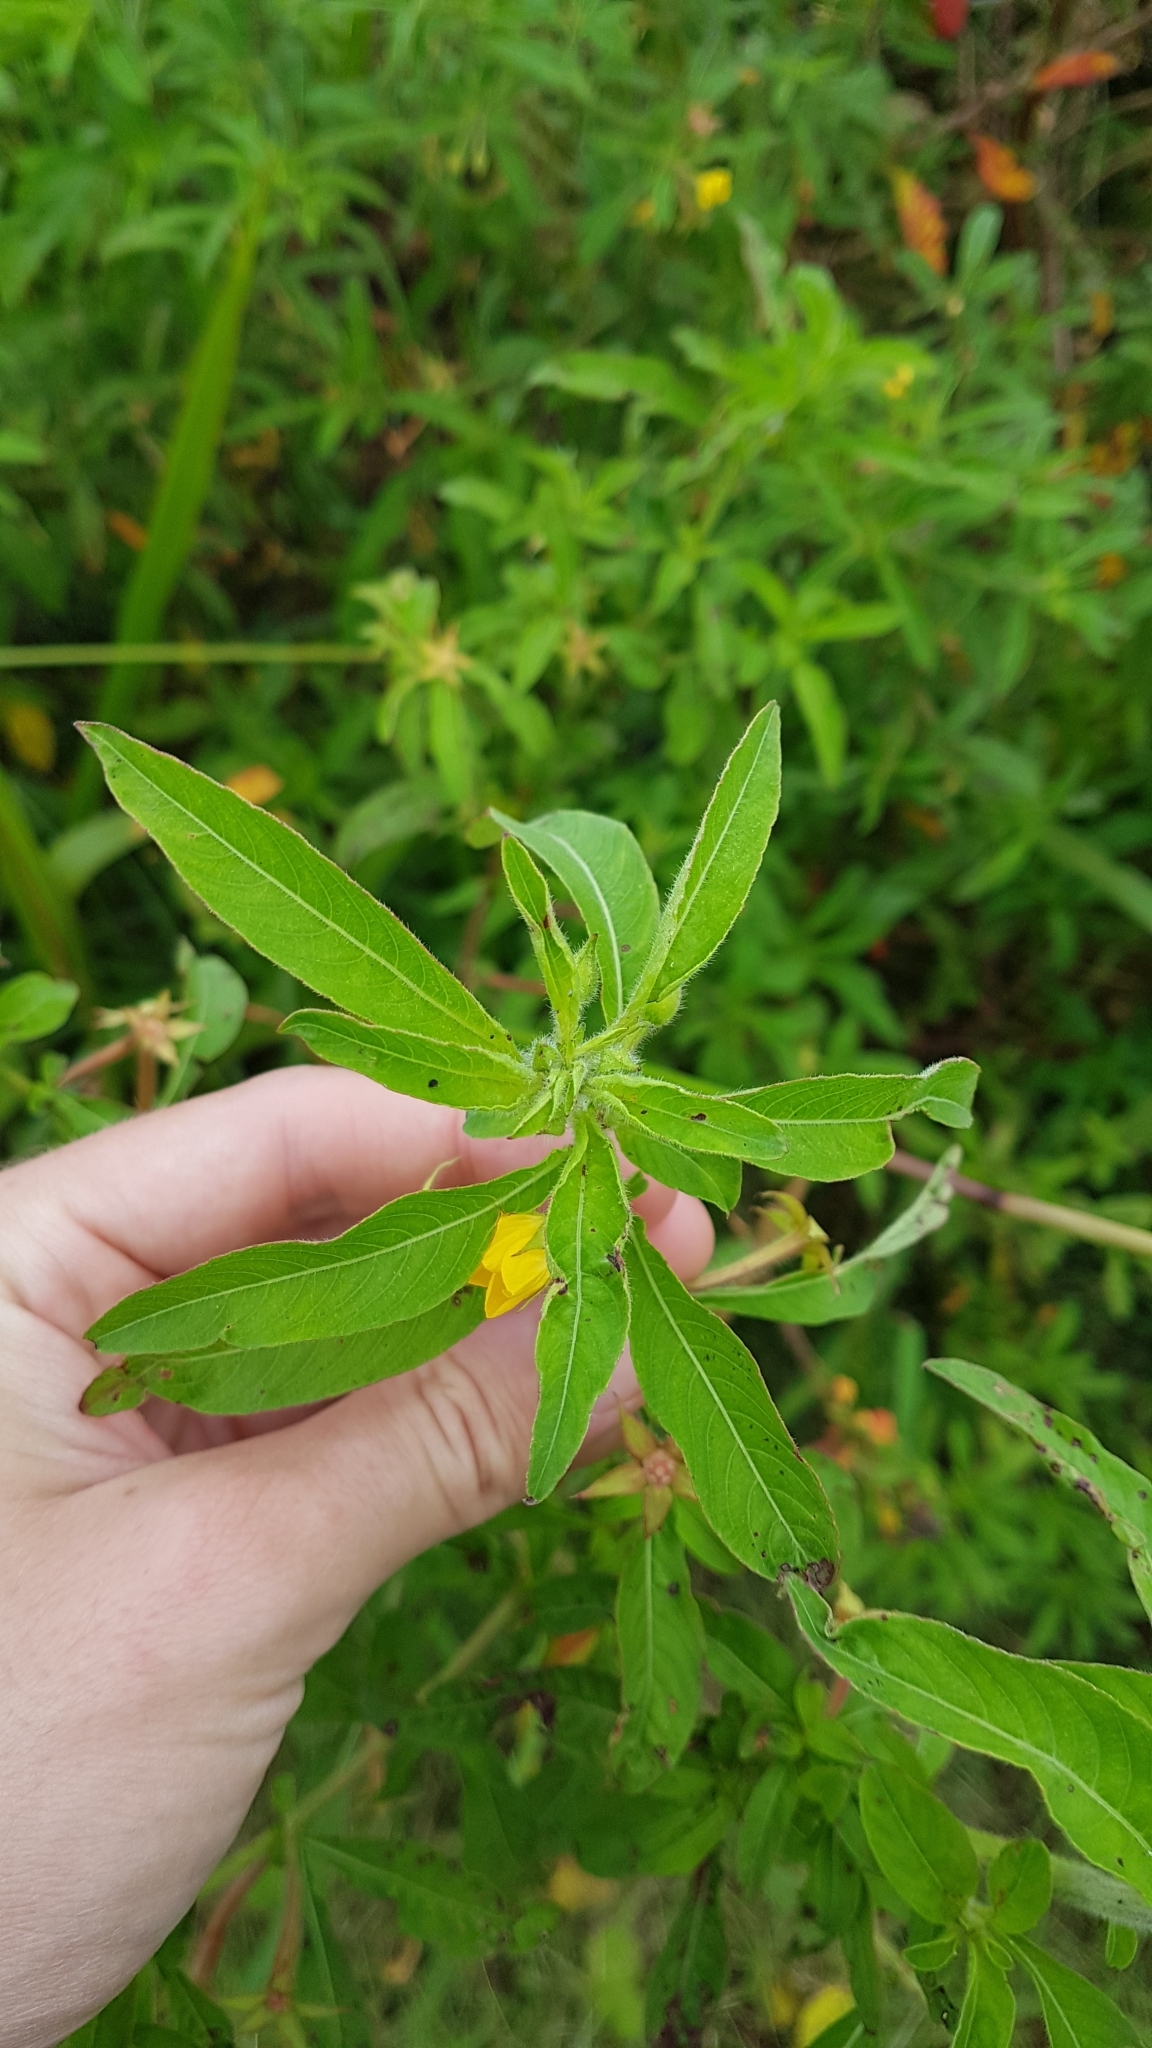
(921, 221)
(1000, 171)
(949, 18)
(1076, 67)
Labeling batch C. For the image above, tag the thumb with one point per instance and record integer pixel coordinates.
(311, 1519)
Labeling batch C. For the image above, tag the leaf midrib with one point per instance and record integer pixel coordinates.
(1025, 1748)
(311, 911)
(683, 910)
(720, 1408)
(337, 1266)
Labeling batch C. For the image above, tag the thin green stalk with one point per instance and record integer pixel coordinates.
(41, 907)
(188, 472)
(182, 654)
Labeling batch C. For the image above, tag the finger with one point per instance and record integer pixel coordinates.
(305, 1524)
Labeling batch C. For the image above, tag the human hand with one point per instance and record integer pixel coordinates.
(159, 1611)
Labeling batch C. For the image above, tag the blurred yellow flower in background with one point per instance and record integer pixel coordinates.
(713, 188)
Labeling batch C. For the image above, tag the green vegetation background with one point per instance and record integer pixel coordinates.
(622, 448)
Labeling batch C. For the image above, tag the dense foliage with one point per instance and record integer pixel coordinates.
(599, 373)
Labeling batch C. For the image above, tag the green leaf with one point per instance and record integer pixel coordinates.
(836, 1125)
(689, 1972)
(601, 866)
(643, 1831)
(713, 1179)
(1118, 882)
(1020, 1886)
(595, 373)
(691, 1119)
(569, 986)
(1091, 1758)
(294, 906)
(432, 1069)
(988, 2014)
(228, 1382)
(1071, 1452)
(711, 889)
(215, 998)
(746, 1658)
(29, 886)
(1075, 2013)
(823, 714)
(405, 1259)
(34, 1006)
(920, 1846)
(813, 1298)
(584, 1327)
(436, 1900)
(661, 1655)
(1121, 1947)
(927, 1957)
(765, 1820)
(755, 1489)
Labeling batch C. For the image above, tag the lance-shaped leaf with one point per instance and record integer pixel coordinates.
(691, 1119)
(920, 1846)
(661, 1656)
(711, 889)
(1072, 1453)
(405, 1259)
(1020, 1885)
(584, 1327)
(689, 1972)
(814, 1298)
(988, 2014)
(1076, 2014)
(1091, 1758)
(432, 1069)
(297, 908)
(713, 1179)
(836, 1125)
(706, 1390)
(568, 980)
(602, 868)
(435, 1899)
(229, 1382)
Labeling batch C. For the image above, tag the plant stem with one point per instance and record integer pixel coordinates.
(264, 1845)
(95, 1061)
(753, 1264)
(494, 1622)
(1086, 1223)
(182, 654)
(204, 1961)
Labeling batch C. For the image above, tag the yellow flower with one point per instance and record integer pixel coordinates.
(514, 1267)
(900, 381)
(822, 2012)
(713, 188)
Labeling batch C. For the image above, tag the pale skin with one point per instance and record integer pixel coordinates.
(166, 1579)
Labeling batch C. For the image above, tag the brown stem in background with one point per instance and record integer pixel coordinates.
(753, 1264)
(474, 925)
(520, 983)
(145, 1078)
(204, 1961)
(1085, 1223)
(94, 1061)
